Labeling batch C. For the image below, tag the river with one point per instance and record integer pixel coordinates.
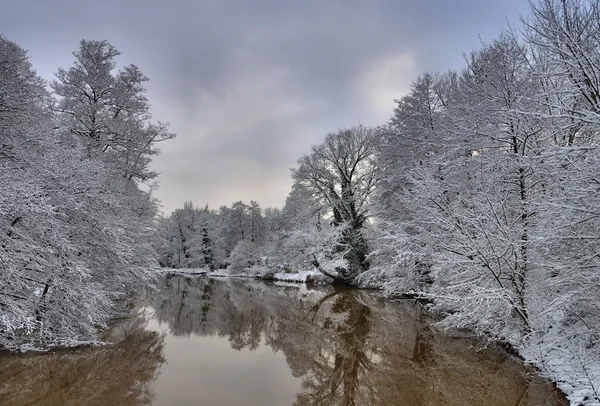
(212, 342)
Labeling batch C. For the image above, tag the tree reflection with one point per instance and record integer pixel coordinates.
(112, 375)
(208, 307)
(350, 347)
(339, 373)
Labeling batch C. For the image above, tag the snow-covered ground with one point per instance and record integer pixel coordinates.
(568, 364)
(301, 277)
(313, 276)
(185, 271)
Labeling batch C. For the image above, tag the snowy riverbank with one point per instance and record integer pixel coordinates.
(568, 365)
(294, 277)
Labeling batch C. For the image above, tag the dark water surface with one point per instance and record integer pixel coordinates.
(229, 342)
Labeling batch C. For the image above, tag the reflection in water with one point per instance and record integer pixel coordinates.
(114, 375)
(343, 347)
(350, 347)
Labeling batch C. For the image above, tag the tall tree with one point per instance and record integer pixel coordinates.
(71, 248)
(109, 109)
(340, 175)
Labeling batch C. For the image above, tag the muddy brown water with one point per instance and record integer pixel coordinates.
(208, 342)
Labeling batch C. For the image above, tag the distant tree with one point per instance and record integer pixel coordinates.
(198, 237)
(257, 223)
(206, 237)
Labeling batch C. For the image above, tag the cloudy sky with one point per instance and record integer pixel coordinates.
(250, 85)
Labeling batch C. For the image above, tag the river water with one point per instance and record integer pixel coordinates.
(209, 342)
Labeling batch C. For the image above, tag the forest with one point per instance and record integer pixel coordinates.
(479, 195)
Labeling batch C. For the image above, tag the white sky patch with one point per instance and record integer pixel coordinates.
(382, 81)
(226, 138)
(270, 192)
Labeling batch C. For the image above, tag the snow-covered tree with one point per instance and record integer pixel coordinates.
(198, 237)
(339, 175)
(109, 109)
(486, 189)
(418, 135)
(71, 248)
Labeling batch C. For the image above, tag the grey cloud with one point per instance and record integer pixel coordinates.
(248, 86)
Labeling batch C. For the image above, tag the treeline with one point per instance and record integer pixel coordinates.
(74, 222)
(480, 193)
(215, 239)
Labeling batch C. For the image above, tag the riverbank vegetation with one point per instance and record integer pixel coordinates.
(74, 220)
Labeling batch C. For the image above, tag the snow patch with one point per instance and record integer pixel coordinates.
(300, 277)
